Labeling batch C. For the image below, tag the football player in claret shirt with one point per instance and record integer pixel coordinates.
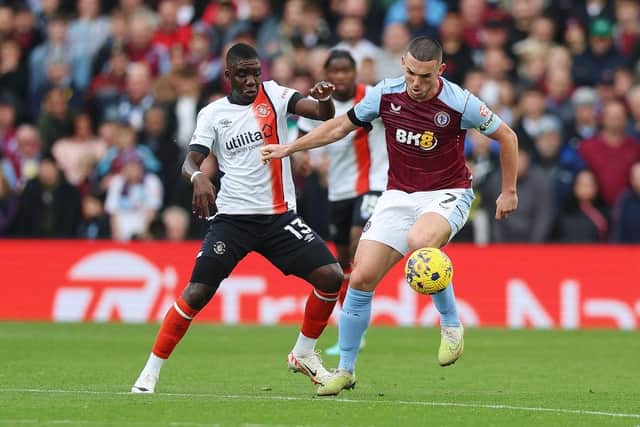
(255, 209)
(358, 163)
(428, 194)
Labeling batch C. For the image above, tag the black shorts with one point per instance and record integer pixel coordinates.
(348, 213)
(284, 239)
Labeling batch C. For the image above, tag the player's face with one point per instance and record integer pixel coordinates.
(245, 77)
(342, 74)
(421, 77)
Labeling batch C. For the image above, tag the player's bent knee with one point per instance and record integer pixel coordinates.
(363, 280)
(205, 280)
(327, 278)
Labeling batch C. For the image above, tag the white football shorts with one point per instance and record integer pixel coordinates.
(396, 211)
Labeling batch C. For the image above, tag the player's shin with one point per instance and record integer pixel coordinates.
(316, 316)
(345, 284)
(354, 320)
(174, 326)
(445, 302)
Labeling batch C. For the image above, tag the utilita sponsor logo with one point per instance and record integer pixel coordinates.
(115, 285)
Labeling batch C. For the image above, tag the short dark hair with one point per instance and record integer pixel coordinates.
(339, 54)
(239, 52)
(425, 49)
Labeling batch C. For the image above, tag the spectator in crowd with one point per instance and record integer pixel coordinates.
(77, 154)
(25, 31)
(434, 12)
(262, 26)
(54, 62)
(139, 44)
(158, 138)
(523, 12)
(533, 220)
(8, 145)
(88, 32)
(583, 216)
(219, 16)
(628, 31)
(109, 85)
(49, 205)
(176, 223)
(133, 198)
(633, 101)
(601, 58)
(169, 32)
(186, 107)
(394, 42)
(532, 108)
(456, 53)
(8, 205)
(124, 148)
(95, 222)
(416, 20)
(611, 153)
(585, 124)
(626, 217)
(315, 32)
(560, 161)
(28, 153)
(472, 14)
(200, 56)
(138, 98)
(116, 40)
(559, 90)
(351, 33)
(14, 76)
(496, 67)
(55, 121)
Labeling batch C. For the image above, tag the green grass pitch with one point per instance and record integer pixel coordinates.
(80, 375)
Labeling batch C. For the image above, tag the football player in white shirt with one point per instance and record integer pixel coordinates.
(358, 165)
(255, 209)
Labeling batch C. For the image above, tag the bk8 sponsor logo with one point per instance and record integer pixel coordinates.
(426, 140)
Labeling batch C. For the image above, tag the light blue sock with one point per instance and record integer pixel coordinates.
(445, 302)
(354, 320)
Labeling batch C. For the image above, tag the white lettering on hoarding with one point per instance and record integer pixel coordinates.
(614, 309)
(522, 306)
(231, 291)
(524, 309)
(118, 298)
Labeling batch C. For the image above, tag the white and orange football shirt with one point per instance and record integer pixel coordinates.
(235, 134)
(358, 162)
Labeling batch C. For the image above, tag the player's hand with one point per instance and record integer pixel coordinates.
(204, 196)
(273, 151)
(322, 90)
(506, 204)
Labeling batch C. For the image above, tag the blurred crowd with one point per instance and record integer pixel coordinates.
(98, 101)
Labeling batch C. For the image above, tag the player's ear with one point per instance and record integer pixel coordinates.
(227, 74)
(441, 68)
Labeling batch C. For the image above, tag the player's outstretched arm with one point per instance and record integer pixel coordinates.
(204, 193)
(322, 107)
(328, 132)
(508, 199)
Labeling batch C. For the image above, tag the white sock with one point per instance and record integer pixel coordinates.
(154, 364)
(304, 345)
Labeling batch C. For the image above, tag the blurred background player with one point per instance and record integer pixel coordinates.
(255, 209)
(357, 172)
(429, 192)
